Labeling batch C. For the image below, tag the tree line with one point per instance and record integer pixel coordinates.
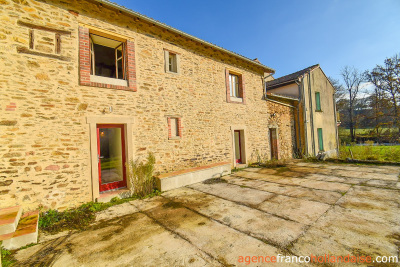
(378, 108)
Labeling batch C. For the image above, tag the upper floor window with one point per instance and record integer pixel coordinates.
(317, 101)
(235, 92)
(106, 60)
(107, 57)
(171, 61)
(234, 85)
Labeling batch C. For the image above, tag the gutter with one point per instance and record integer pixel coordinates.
(277, 102)
(165, 26)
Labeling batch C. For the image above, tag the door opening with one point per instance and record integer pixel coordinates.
(274, 143)
(238, 146)
(111, 156)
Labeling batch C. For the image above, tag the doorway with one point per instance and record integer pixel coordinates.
(238, 146)
(274, 143)
(111, 156)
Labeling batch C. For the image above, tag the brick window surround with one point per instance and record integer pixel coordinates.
(179, 126)
(242, 91)
(84, 63)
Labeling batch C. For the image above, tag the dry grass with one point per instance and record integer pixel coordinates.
(142, 181)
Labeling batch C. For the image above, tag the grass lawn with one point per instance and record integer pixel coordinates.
(345, 132)
(369, 152)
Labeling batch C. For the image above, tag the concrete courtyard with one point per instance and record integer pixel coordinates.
(301, 209)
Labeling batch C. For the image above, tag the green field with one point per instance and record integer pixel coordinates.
(345, 132)
(370, 152)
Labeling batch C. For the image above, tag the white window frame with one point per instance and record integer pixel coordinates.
(234, 86)
(167, 54)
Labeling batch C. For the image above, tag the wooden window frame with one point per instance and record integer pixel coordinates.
(86, 64)
(168, 52)
(318, 101)
(117, 59)
(320, 139)
(242, 95)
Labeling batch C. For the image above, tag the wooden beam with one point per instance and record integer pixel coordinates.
(43, 28)
(25, 50)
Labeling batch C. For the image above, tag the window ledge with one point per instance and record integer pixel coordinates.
(236, 99)
(106, 80)
(318, 110)
(174, 138)
(172, 72)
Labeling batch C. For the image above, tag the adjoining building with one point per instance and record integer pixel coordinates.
(87, 86)
(312, 97)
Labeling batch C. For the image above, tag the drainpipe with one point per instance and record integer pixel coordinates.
(264, 84)
(298, 82)
(336, 127)
(304, 116)
(311, 113)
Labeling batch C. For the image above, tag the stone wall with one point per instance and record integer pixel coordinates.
(44, 135)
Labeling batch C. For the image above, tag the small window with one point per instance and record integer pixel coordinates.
(174, 128)
(234, 85)
(107, 57)
(171, 62)
(320, 139)
(317, 101)
(235, 92)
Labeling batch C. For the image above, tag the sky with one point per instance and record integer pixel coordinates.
(288, 35)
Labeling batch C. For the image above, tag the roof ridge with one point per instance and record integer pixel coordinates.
(162, 24)
(291, 77)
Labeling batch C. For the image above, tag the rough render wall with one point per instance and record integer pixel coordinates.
(325, 119)
(44, 137)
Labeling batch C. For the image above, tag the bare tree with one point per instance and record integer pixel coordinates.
(386, 79)
(352, 79)
(339, 90)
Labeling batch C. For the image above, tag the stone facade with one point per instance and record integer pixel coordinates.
(299, 90)
(46, 144)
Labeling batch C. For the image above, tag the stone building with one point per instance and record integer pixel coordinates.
(87, 86)
(312, 97)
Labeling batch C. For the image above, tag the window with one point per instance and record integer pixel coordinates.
(107, 57)
(174, 128)
(234, 85)
(171, 61)
(106, 60)
(320, 140)
(235, 92)
(317, 101)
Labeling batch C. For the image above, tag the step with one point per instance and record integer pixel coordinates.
(172, 180)
(25, 234)
(108, 195)
(9, 218)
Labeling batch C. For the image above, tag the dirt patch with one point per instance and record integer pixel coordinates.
(215, 181)
(172, 204)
